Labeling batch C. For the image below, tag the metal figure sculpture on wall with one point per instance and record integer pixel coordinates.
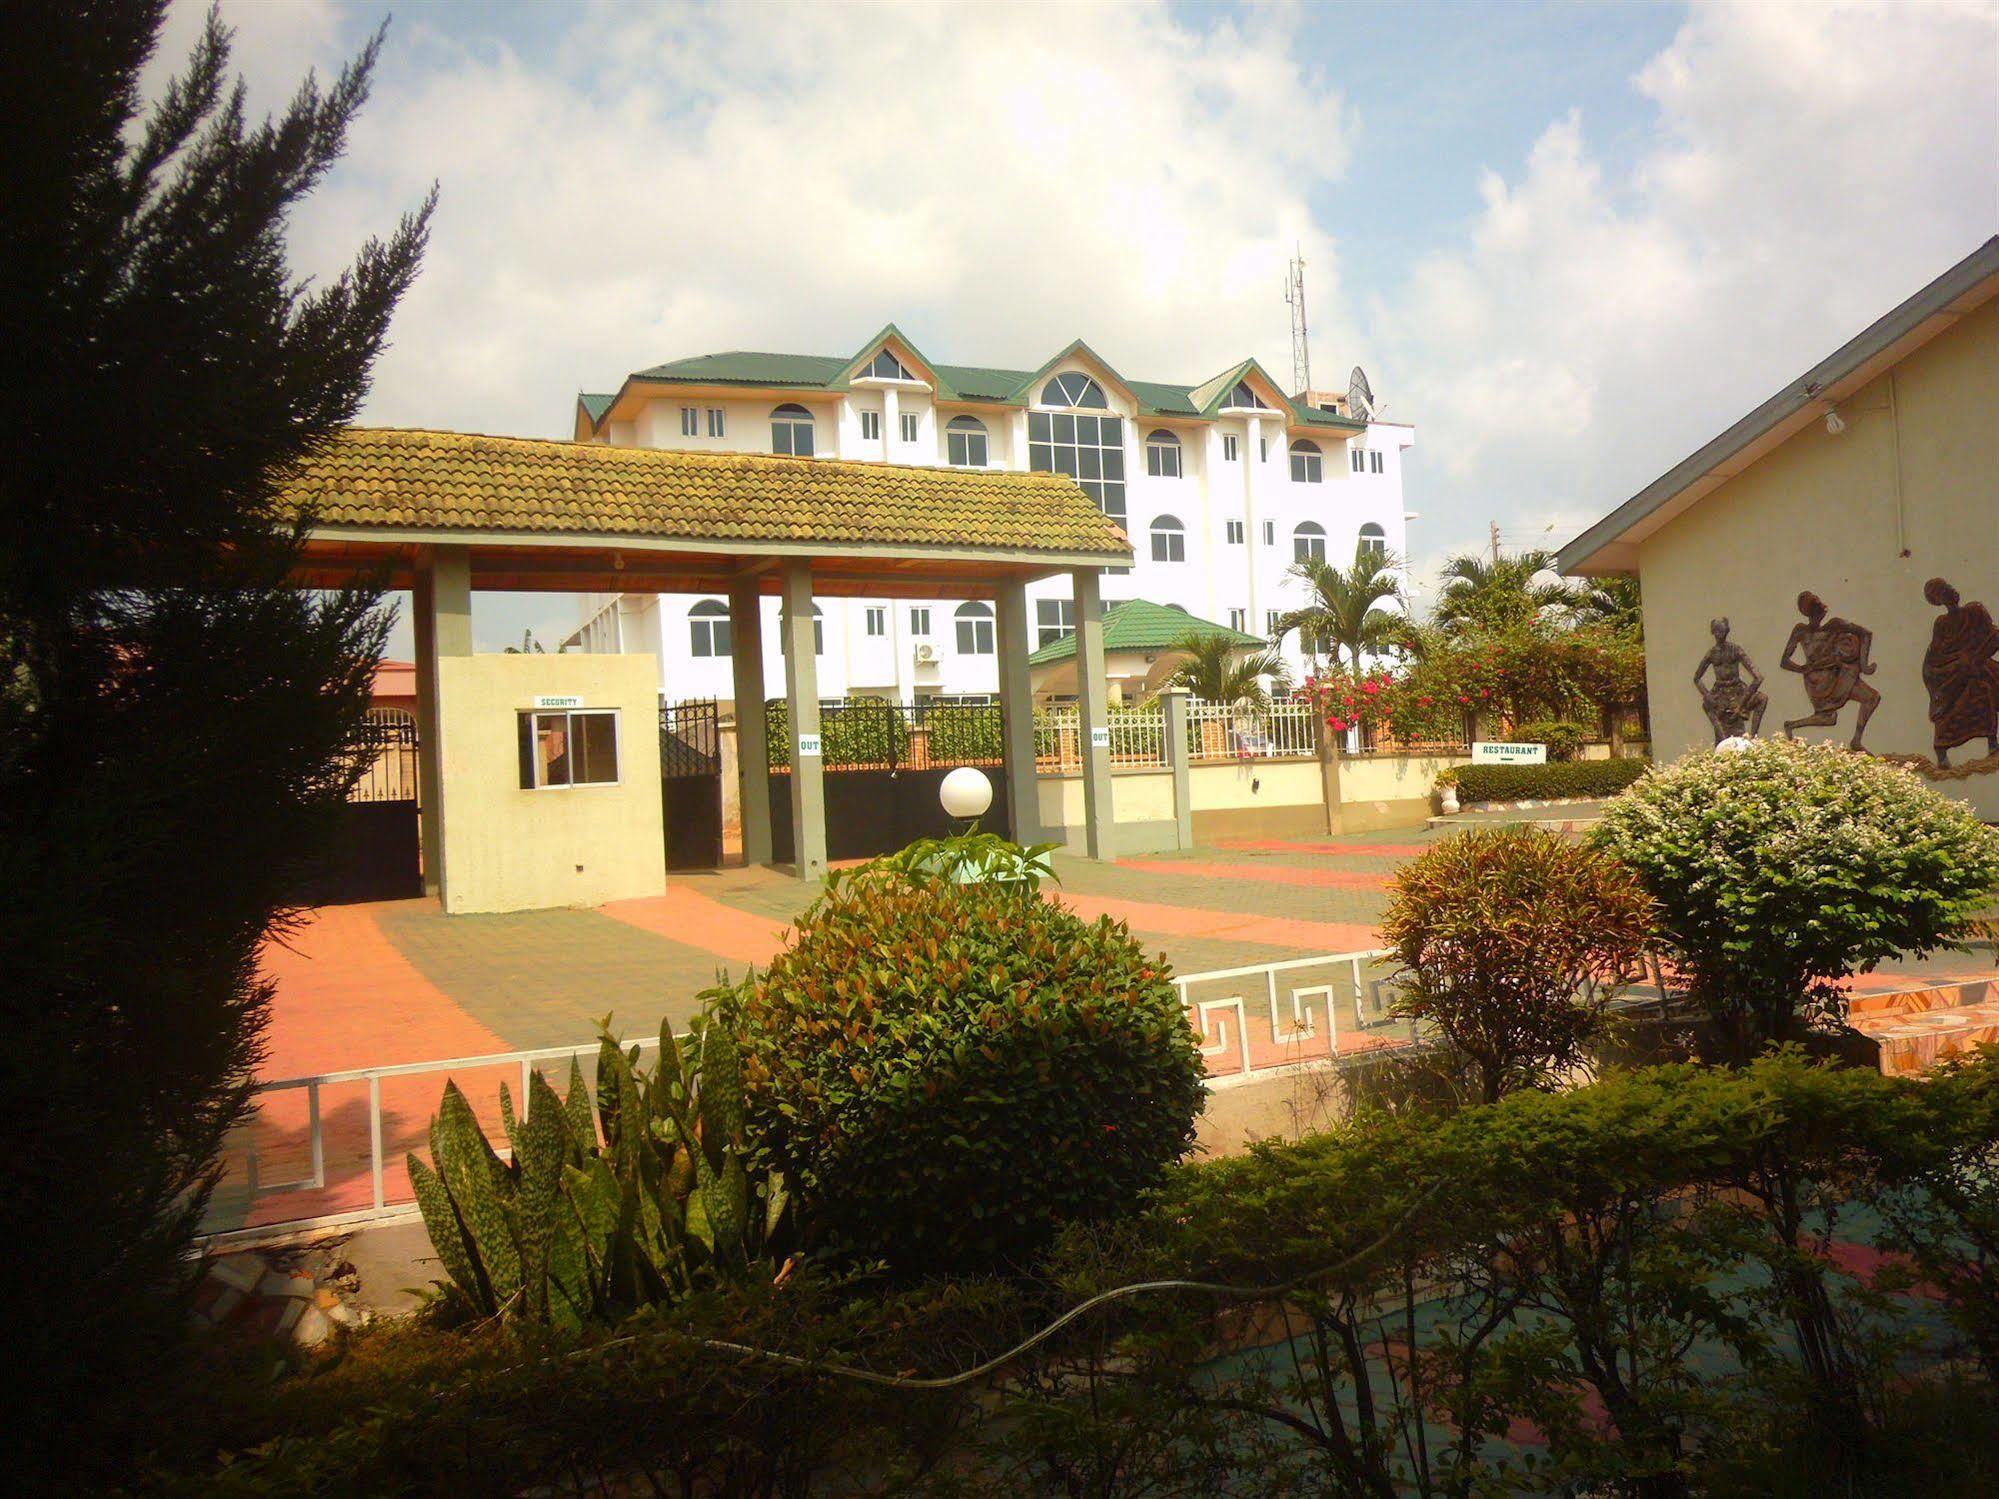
(1961, 674)
(1730, 702)
(1837, 654)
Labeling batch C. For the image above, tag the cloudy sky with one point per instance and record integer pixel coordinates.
(1569, 243)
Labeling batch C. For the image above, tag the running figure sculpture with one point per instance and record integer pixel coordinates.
(1729, 701)
(1960, 673)
(1837, 654)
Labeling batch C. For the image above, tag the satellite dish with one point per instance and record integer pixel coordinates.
(1360, 396)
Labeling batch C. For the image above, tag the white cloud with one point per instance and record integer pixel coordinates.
(1810, 166)
(793, 177)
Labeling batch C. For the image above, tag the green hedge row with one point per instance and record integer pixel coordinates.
(1513, 783)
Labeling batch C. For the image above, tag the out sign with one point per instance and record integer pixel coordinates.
(1100, 738)
(808, 746)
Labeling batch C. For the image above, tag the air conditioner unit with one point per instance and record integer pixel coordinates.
(925, 654)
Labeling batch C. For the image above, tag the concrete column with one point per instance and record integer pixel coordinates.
(746, 663)
(801, 695)
(1173, 706)
(441, 601)
(891, 425)
(1252, 466)
(1093, 716)
(1017, 712)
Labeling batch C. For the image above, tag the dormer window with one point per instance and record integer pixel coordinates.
(965, 442)
(885, 366)
(791, 430)
(1162, 455)
(1243, 396)
(1308, 463)
(1075, 390)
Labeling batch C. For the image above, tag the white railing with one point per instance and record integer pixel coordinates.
(1224, 731)
(1137, 737)
(1254, 1022)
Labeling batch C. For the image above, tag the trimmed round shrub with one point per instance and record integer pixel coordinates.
(1782, 869)
(948, 1072)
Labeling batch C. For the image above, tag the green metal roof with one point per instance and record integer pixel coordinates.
(1142, 625)
(962, 382)
(595, 404)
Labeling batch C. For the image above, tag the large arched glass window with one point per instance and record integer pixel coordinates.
(1308, 463)
(1309, 540)
(885, 366)
(975, 629)
(1243, 396)
(1169, 539)
(1373, 541)
(818, 633)
(708, 627)
(1074, 389)
(1087, 447)
(1162, 455)
(965, 442)
(791, 430)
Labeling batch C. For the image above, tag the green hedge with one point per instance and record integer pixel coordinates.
(1514, 783)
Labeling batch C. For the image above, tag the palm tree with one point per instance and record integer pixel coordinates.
(1491, 593)
(1220, 669)
(1344, 614)
(1612, 601)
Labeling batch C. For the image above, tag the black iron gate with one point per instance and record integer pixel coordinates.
(884, 763)
(690, 783)
(375, 852)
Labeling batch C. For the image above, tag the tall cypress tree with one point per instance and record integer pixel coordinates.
(172, 711)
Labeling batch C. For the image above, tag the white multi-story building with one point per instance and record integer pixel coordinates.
(1221, 486)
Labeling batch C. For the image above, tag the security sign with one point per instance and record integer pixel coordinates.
(558, 702)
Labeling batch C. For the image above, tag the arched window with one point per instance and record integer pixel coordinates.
(1162, 455)
(708, 625)
(885, 366)
(1243, 396)
(791, 430)
(1309, 540)
(1308, 463)
(818, 634)
(965, 442)
(1074, 389)
(1077, 442)
(1169, 539)
(1373, 541)
(975, 629)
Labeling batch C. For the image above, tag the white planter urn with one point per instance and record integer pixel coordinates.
(1447, 799)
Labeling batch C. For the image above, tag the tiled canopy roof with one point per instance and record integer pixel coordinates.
(1142, 625)
(394, 479)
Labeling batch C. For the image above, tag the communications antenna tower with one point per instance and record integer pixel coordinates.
(1301, 352)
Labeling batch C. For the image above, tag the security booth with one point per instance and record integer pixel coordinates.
(540, 775)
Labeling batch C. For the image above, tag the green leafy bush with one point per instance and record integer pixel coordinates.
(1512, 783)
(568, 1231)
(1784, 868)
(965, 734)
(859, 731)
(946, 1072)
(1563, 738)
(1513, 942)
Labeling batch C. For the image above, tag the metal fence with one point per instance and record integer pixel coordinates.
(1225, 731)
(690, 738)
(1137, 737)
(871, 733)
(386, 749)
(326, 1151)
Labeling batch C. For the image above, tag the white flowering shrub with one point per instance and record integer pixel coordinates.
(1782, 868)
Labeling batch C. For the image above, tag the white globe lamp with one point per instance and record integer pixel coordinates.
(966, 793)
